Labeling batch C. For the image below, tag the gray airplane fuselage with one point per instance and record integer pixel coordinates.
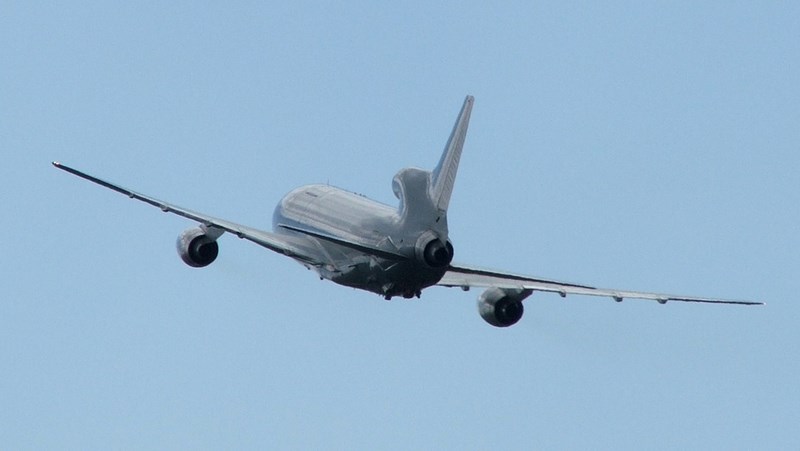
(404, 233)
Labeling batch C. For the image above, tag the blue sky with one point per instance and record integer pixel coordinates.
(640, 145)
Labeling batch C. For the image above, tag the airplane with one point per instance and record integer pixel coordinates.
(357, 242)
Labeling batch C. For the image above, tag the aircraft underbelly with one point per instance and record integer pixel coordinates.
(381, 276)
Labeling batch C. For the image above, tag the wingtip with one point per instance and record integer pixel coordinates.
(56, 164)
(747, 302)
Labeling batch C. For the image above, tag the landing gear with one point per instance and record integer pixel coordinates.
(406, 295)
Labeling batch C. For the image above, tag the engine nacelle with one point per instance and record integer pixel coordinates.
(197, 248)
(433, 251)
(502, 307)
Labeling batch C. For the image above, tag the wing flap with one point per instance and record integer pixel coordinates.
(465, 277)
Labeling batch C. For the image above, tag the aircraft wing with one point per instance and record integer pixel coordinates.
(295, 247)
(465, 277)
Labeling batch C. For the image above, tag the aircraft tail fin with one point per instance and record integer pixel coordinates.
(443, 176)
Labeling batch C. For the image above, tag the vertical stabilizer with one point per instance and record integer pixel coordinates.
(444, 176)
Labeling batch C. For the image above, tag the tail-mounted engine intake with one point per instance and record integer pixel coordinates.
(502, 307)
(433, 251)
(197, 247)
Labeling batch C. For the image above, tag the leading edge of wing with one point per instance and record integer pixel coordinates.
(281, 244)
(465, 277)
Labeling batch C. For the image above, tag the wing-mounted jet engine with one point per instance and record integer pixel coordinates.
(198, 246)
(502, 307)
